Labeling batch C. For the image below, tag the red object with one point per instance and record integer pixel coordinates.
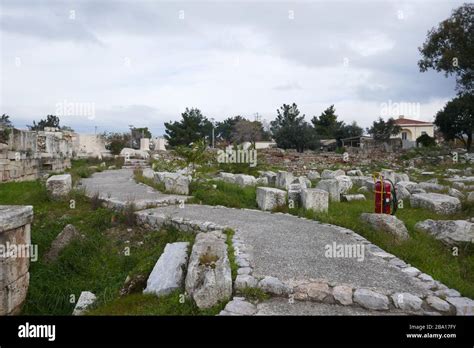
(383, 197)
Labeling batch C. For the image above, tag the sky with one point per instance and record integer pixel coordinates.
(109, 64)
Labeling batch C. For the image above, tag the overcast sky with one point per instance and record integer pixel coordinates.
(143, 62)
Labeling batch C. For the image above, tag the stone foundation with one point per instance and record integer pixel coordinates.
(15, 222)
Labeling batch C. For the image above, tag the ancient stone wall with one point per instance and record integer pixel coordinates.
(15, 253)
(302, 163)
(29, 154)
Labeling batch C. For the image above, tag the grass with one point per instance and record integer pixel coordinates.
(254, 294)
(226, 194)
(99, 262)
(231, 252)
(138, 176)
(84, 168)
(139, 304)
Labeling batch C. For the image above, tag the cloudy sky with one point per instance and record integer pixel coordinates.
(111, 64)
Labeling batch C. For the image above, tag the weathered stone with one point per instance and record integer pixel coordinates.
(14, 216)
(303, 181)
(470, 197)
(439, 203)
(263, 181)
(86, 300)
(245, 281)
(355, 197)
(176, 183)
(209, 278)
(245, 180)
(443, 293)
(363, 189)
(409, 185)
(342, 294)
(437, 303)
(451, 232)
(456, 193)
(463, 305)
(240, 307)
(284, 179)
(332, 187)
(59, 186)
(431, 187)
(269, 198)
(355, 172)
(411, 271)
(273, 286)
(148, 173)
(315, 199)
(271, 177)
(317, 291)
(168, 273)
(401, 177)
(244, 270)
(227, 177)
(361, 180)
(370, 299)
(402, 192)
(66, 236)
(313, 175)
(387, 223)
(345, 183)
(294, 194)
(331, 174)
(407, 301)
(13, 295)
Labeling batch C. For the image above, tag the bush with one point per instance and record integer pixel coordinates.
(425, 140)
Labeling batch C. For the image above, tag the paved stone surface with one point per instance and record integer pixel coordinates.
(117, 188)
(287, 247)
(281, 306)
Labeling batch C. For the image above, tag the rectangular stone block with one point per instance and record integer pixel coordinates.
(13, 295)
(315, 199)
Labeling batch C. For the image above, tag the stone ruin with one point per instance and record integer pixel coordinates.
(27, 155)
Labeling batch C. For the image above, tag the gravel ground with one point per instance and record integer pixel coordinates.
(289, 248)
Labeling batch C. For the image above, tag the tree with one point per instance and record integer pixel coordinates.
(5, 121)
(194, 155)
(327, 126)
(51, 121)
(456, 120)
(245, 130)
(381, 131)
(291, 131)
(350, 131)
(5, 128)
(193, 126)
(224, 129)
(425, 140)
(115, 142)
(137, 134)
(450, 48)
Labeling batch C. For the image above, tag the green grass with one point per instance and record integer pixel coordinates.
(97, 263)
(254, 294)
(81, 168)
(230, 252)
(226, 194)
(138, 176)
(421, 250)
(139, 304)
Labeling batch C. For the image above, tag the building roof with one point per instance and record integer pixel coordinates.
(402, 121)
